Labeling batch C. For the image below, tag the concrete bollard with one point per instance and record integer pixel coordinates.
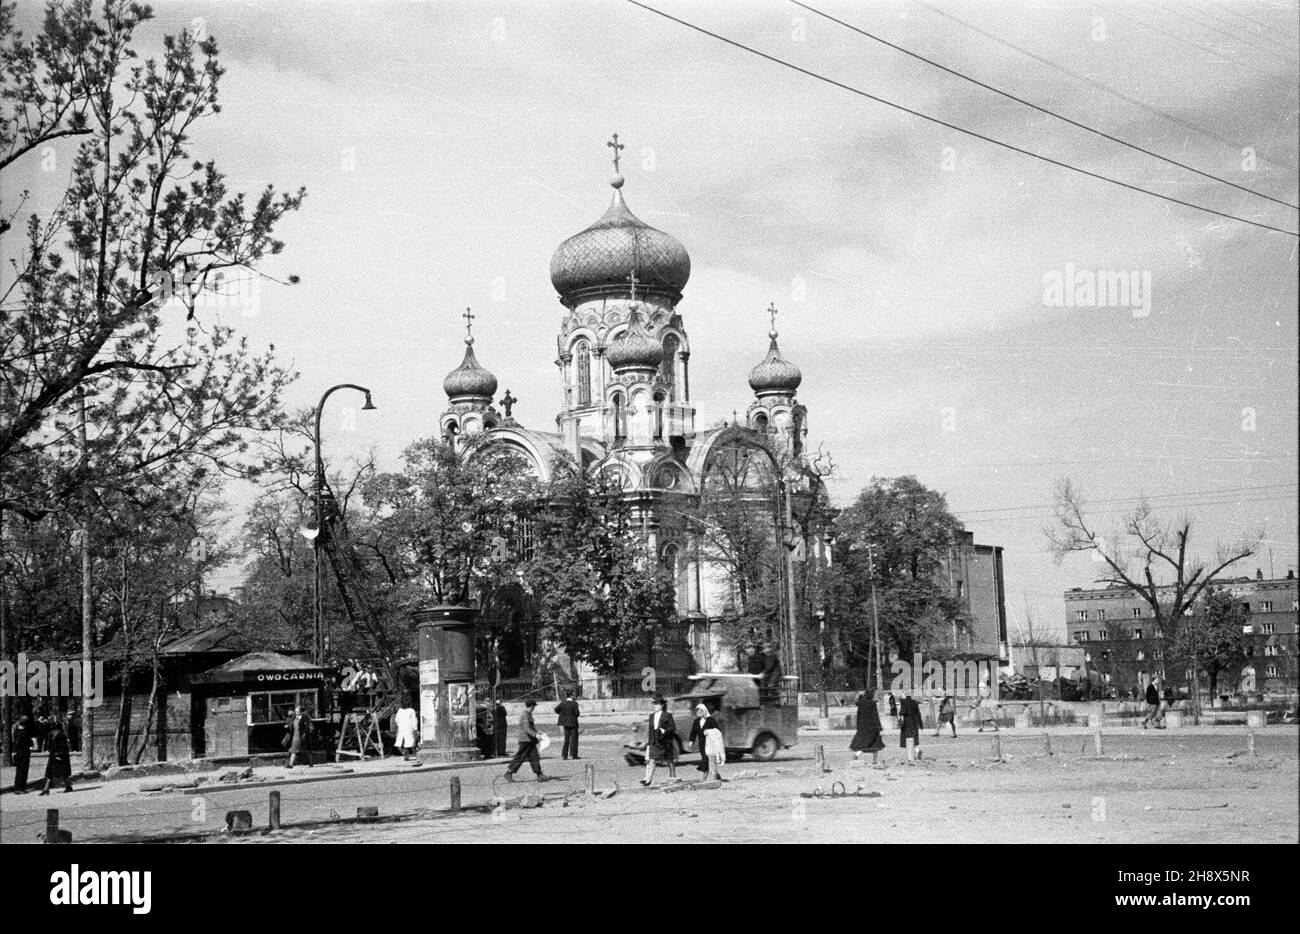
(1250, 742)
(911, 749)
(455, 793)
(997, 747)
(52, 825)
(1096, 716)
(239, 820)
(819, 756)
(589, 772)
(1096, 744)
(1022, 719)
(1255, 719)
(275, 810)
(1047, 743)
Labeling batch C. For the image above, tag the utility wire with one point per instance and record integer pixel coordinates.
(952, 126)
(1195, 45)
(1044, 110)
(1233, 37)
(1097, 84)
(1134, 499)
(1260, 27)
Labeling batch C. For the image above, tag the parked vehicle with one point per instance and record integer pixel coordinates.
(751, 725)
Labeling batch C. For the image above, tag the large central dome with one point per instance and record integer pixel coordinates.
(601, 258)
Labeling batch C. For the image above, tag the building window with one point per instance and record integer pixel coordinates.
(582, 369)
(1160, 673)
(1081, 636)
(1247, 629)
(1159, 633)
(1080, 614)
(1270, 650)
(1137, 612)
(1137, 633)
(659, 416)
(1101, 614)
(1102, 635)
(620, 417)
(275, 706)
(1266, 606)
(1245, 608)
(668, 368)
(1157, 654)
(1268, 629)
(1270, 671)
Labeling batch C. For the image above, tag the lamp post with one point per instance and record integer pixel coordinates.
(318, 632)
(875, 617)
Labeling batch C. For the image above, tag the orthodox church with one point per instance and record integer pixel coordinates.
(623, 351)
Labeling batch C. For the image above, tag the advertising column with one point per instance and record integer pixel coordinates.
(446, 641)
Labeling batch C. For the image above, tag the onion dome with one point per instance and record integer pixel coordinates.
(775, 374)
(469, 380)
(635, 348)
(599, 259)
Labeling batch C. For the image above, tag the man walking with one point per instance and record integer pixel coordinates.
(569, 713)
(1153, 704)
(528, 740)
(20, 747)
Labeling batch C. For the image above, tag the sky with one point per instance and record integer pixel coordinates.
(448, 148)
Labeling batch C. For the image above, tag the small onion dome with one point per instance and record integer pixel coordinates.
(600, 258)
(469, 379)
(634, 348)
(775, 374)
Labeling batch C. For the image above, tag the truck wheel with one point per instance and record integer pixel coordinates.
(765, 748)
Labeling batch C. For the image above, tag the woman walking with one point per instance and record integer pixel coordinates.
(661, 741)
(867, 738)
(910, 728)
(706, 735)
(407, 724)
(58, 768)
(948, 715)
(298, 736)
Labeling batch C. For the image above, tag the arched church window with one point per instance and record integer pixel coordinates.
(668, 559)
(668, 368)
(582, 367)
(797, 433)
(659, 416)
(760, 422)
(620, 417)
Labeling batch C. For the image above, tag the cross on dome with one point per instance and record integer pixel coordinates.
(771, 311)
(469, 317)
(615, 145)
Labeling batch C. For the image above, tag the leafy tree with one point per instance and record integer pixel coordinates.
(603, 594)
(1212, 639)
(893, 539)
(102, 318)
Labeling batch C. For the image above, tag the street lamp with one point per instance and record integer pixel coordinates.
(318, 632)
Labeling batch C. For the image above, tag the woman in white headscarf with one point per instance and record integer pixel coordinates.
(707, 737)
(406, 723)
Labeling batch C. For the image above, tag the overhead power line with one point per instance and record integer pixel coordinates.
(1231, 36)
(1105, 89)
(952, 126)
(1195, 45)
(1138, 499)
(1260, 27)
(1044, 110)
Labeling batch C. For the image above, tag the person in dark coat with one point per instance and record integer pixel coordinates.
(948, 715)
(569, 712)
(893, 705)
(769, 690)
(661, 741)
(298, 735)
(529, 739)
(58, 768)
(74, 731)
(20, 747)
(1153, 704)
(909, 712)
(867, 738)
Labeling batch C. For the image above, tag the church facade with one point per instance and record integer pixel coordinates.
(623, 350)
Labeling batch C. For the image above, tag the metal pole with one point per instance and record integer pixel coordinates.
(87, 606)
(790, 595)
(875, 618)
(318, 631)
